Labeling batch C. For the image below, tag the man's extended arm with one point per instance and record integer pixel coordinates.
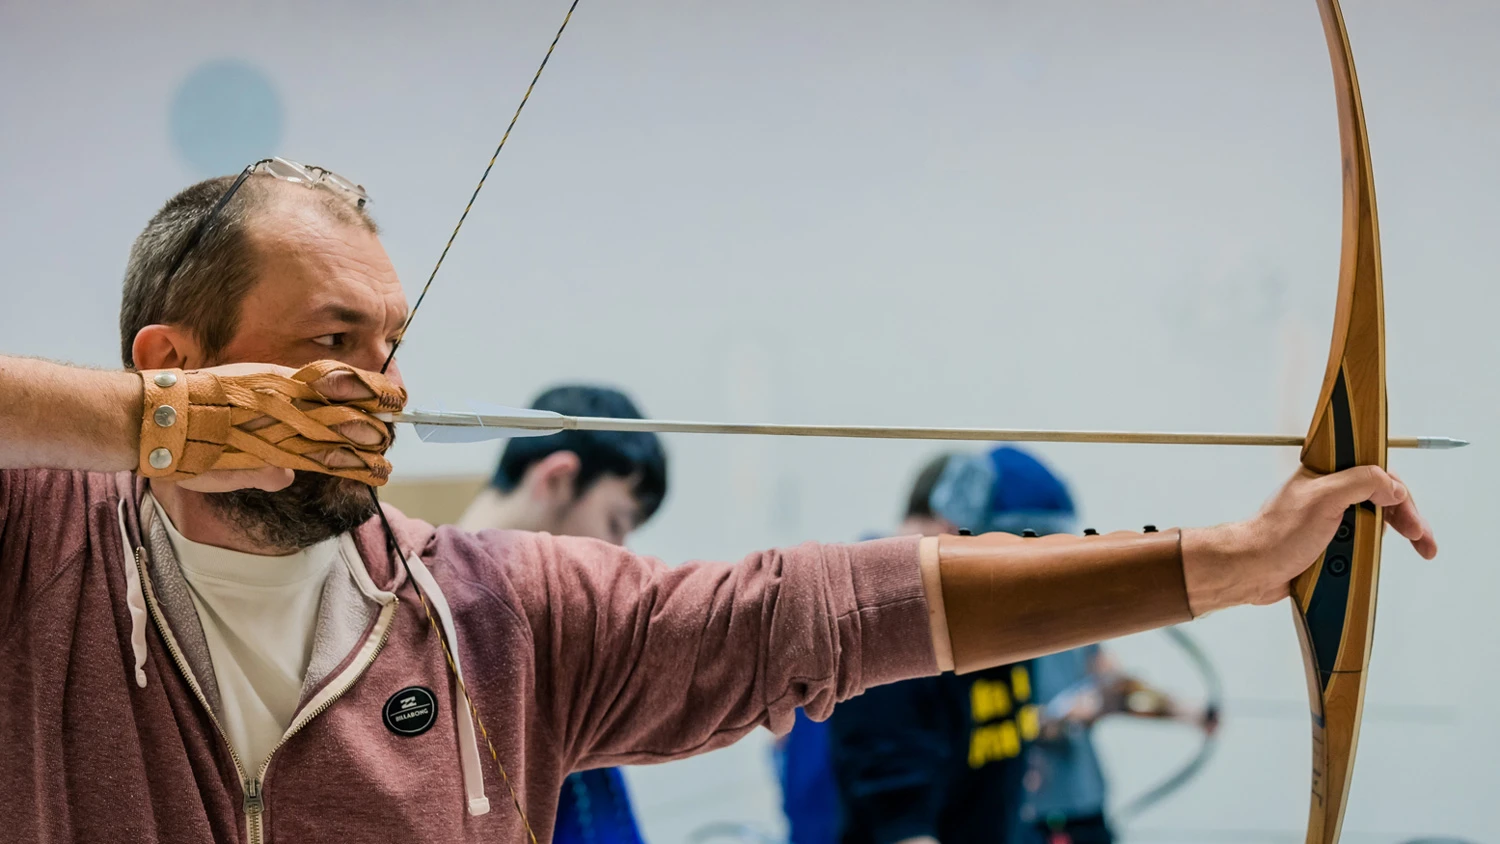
(642, 662)
(1005, 598)
(63, 417)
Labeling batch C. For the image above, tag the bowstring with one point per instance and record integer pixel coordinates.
(477, 188)
(395, 544)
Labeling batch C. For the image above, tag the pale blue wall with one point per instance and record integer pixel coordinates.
(1106, 215)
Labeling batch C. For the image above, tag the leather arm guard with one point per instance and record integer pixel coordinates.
(195, 422)
(1009, 598)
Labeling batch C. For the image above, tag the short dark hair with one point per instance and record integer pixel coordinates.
(622, 454)
(206, 292)
(919, 502)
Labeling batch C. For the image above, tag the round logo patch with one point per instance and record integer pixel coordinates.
(411, 711)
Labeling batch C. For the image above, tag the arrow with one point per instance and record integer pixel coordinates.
(500, 422)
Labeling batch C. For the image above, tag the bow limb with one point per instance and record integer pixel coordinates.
(1334, 600)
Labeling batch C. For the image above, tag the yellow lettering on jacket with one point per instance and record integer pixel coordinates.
(994, 742)
(1020, 682)
(988, 700)
(1029, 721)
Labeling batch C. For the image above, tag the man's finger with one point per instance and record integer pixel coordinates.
(336, 458)
(364, 433)
(1426, 541)
(232, 369)
(268, 478)
(1385, 490)
(1363, 483)
(1406, 520)
(1410, 524)
(341, 386)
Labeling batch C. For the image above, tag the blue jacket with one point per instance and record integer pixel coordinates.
(595, 809)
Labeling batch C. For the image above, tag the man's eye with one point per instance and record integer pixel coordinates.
(330, 341)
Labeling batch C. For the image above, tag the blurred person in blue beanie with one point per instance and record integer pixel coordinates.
(937, 759)
(972, 758)
(1008, 490)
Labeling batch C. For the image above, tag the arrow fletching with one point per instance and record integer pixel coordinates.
(482, 422)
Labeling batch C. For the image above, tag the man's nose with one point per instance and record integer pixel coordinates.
(393, 372)
(372, 357)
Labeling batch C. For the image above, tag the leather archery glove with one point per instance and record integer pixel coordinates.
(1009, 598)
(211, 420)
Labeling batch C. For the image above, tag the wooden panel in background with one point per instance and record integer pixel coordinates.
(439, 500)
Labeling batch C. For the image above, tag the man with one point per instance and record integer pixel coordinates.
(190, 543)
(599, 484)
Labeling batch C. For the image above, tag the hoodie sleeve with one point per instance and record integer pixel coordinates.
(642, 662)
(42, 518)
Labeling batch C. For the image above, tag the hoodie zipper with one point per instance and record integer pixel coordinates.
(254, 803)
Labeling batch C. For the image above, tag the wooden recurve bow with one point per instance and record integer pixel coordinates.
(1334, 601)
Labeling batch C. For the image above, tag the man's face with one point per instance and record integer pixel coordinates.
(607, 510)
(326, 290)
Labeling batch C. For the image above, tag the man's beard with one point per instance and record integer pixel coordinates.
(314, 508)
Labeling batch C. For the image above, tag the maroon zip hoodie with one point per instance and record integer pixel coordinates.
(576, 654)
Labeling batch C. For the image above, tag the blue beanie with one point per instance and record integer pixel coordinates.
(1006, 490)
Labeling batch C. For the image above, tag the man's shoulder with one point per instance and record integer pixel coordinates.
(451, 552)
(535, 568)
(60, 490)
(476, 551)
(486, 548)
(51, 522)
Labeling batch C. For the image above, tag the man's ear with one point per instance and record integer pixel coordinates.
(165, 347)
(554, 477)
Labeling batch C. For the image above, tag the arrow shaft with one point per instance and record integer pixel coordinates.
(883, 432)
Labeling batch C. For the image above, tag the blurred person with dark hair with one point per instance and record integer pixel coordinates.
(599, 484)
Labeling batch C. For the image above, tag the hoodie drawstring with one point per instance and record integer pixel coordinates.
(468, 743)
(135, 601)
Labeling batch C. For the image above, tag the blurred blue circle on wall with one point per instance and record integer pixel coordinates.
(226, 114)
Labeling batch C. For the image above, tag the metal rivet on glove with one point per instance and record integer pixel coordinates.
(160, 458)
(165, 416)
(165, 379)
